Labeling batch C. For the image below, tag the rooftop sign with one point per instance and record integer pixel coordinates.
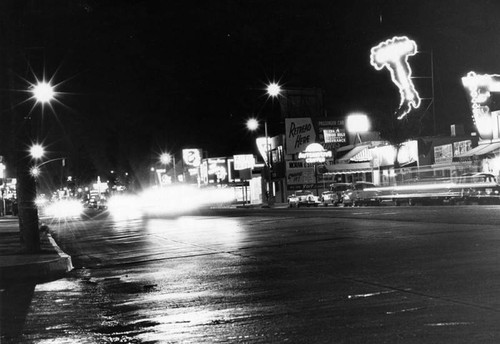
(393, 55)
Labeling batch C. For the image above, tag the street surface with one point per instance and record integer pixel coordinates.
(318, 275)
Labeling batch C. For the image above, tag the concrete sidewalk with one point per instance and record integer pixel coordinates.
(16, 266)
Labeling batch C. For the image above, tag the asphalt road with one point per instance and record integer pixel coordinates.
(357, 275)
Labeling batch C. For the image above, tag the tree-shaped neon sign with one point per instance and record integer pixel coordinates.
(393, 55)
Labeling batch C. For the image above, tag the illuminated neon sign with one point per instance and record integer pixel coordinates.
(315, 153)
(480, 87)
(393, 55)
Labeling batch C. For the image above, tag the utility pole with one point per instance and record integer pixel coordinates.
(26, 192)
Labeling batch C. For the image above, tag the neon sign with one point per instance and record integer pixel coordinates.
(393, 55)
(191, 157)
(480, 87)
(315, 153)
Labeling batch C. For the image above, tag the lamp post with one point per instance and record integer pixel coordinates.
(252, 125)
(35, 170)
(273, 90)
(42, 93)
(359, 123)
(167, 158)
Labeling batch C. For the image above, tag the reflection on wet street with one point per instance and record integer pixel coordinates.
(313, 278)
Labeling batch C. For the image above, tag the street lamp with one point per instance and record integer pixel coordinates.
(43, 93)
(273, 89)
(37, 151)
(35, 170)
(358, 123)
(166, 159)
(253, 125)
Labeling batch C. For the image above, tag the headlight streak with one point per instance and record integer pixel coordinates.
(64, 209)
(169, 201)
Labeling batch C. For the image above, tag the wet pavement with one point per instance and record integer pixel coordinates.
(371, 275)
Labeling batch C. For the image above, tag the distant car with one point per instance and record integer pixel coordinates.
(303, 198)
(360, 194)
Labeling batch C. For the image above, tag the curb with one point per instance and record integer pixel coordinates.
(43, 270)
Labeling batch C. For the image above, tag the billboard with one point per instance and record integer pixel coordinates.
(299, 133)
(336, 135)
(243, 161)
(443, 154)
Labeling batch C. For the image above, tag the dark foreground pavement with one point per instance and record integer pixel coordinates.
(17, 266)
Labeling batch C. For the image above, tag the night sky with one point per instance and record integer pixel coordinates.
(140, 77)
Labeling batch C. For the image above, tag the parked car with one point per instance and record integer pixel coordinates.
(481, 188)
(328, 197)
(360, 194)
(339, 189)
(303, 198)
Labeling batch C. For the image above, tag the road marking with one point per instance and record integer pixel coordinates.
(405, 310)
(456, 323)
(358, 296)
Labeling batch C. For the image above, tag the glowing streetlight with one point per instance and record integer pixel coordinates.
(252, 124)
(358, 123)
(35, 171)
(43, 92)
(273, 89)
(37, 151)
(166, 159)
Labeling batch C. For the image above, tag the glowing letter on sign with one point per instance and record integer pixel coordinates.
(393, 55)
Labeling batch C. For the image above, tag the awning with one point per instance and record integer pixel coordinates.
(349, 168)
(354, 152)
(480, 150)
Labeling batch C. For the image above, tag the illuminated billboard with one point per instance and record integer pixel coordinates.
(243, 161)
(393, 55)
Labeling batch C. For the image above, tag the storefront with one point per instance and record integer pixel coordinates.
(483, 158)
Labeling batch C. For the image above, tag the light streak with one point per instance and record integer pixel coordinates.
(64, 209)
(393, 55)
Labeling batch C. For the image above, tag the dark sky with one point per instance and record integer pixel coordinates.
(140, 77)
